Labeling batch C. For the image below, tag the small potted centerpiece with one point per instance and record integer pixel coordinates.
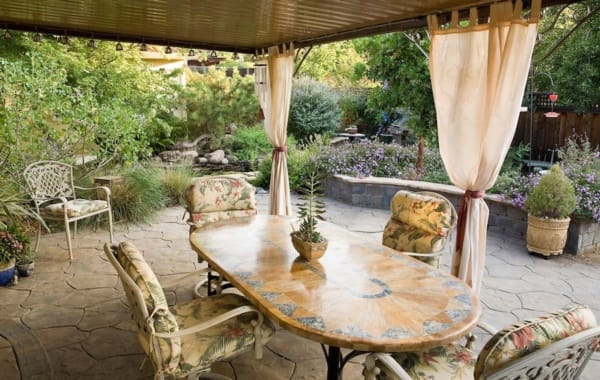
(309, 242)
(548, 206)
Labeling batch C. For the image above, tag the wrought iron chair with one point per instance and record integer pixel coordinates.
(215, 199)
(186, 339)
(555, 346)
(51, 188)
(420, 225)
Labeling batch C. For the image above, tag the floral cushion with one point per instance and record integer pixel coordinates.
(220, 342)
(427, 213)
(220, 194)
(525, 337)
(75, 207)
(199, 219)
(211, 200)
(169, 348)
(452, 361)
(407, 238)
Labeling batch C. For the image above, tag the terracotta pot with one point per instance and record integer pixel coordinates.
(307, 250)
(546, 236)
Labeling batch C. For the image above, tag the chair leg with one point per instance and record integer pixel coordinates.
(37, 239)
(110, 226)
(68, 233)
(74, 230)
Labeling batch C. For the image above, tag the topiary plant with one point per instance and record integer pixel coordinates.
(554, 196)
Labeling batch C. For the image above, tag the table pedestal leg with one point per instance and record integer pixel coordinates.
(334, 363)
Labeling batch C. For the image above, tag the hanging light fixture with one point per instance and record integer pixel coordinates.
(92, 43)
(64, 39)
(168, 50)
(191, 53)
(235, 56)
(119, 46)
(213, 54)
(7, 34)
(143, 47)
(37, 37)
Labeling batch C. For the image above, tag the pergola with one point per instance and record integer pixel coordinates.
(478, 71)
(244, 26)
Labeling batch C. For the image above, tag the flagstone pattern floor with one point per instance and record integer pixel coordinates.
(78, 310)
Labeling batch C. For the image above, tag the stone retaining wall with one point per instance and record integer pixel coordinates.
(375, 192)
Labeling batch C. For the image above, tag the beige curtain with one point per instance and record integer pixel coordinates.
(274, 97)
(478, 75)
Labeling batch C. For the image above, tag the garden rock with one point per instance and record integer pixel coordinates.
(216, 157)
(201, 160)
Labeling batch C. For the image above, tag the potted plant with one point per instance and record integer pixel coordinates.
(309, 242)
(25, 262)
(11, 246)
(548, 206)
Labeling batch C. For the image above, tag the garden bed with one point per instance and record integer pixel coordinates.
(375, 192)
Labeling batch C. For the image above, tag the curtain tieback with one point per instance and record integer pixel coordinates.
(278, 150)
(462, 215)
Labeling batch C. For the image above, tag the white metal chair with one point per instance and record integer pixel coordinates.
(420, 225)
(53, 193)
(556, 346)
(186, 339)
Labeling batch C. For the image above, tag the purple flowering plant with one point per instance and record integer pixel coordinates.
(581, 164)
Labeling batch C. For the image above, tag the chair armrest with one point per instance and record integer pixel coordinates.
(174, 281)
(103, 188)
(215, 321)
(430, 254)
(487, 327)
(388, 361)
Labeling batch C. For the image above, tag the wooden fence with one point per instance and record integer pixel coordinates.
(551, 133)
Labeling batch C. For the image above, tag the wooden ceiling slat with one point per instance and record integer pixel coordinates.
(241, 25)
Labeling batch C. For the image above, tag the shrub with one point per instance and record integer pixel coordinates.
(175, 182)
(297, 161)
(314, 110)
(553, 197)
(353, 104)
(250, 143)
(140, 196)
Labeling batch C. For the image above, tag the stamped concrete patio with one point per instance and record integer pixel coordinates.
(77, 310)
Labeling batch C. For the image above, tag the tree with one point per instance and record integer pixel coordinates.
(399, 61)
(569, 51)
(63, 100)
(331, 63)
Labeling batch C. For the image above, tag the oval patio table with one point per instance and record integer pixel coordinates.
(360, 295)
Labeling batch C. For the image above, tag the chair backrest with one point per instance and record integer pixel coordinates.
(49, 180)
(554, 346)
(419, 222)
(148, 306)
(213, 199)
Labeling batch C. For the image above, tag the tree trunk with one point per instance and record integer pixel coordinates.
(420, 157)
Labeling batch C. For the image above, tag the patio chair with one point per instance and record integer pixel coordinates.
(186, 339)
(554, 346)
(217, 199)
(420, 225)
(51, 188)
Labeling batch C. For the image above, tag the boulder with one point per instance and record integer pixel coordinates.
(216, 157)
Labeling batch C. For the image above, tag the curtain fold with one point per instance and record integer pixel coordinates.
(478, 76)
(274, 97)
